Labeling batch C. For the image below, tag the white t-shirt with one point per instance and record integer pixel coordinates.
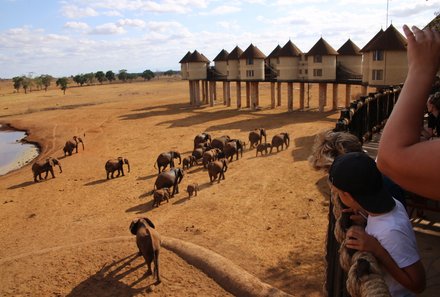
(395, 233)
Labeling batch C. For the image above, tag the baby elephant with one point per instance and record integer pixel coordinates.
(263, 147)
(189, 162)
(192, 188)
(148, 242)
(161, 195)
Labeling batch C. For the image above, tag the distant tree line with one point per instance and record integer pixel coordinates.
(44, 81)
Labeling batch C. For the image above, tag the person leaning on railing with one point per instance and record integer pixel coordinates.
(433, 107)
(413, 164)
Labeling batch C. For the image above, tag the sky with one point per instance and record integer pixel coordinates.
(64, 38)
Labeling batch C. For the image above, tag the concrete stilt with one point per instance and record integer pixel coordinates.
(290, 96)
(191, 94)
(257, 93)
(197, 90)
(207, 92)
(211, 93)
(204, 95)
(278, 93)
(322, 96)
(272, 95)
(335, 97)
(225, 92)
(302, 90)
(364, 90)
(215, 91)
(347, 95)
(248, 94)
(228, 93)
(238, 94)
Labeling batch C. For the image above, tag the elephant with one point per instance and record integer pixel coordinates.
(210, 155)
(167, 158)
(234, 146)
(45, 166)
(220, 142)
(217, 168)
(263, 147)
(280, 140)
(168, 179)
(72, 144)
(201, 138)
(161, 195)
(116, 164)
(192, 188)
(189, 162)
(206, 145)
(148, 242)
(256, 137)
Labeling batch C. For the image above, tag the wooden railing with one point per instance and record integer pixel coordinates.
(368, 114)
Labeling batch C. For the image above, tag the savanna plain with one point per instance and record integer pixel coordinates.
(69, 236)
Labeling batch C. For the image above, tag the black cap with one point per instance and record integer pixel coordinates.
(357, 174)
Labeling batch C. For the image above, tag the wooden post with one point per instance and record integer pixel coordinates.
(206, 91)
(302, 90)
(238, 94)
(290, 96)
(347, 95)
(228, 92)
(322, 96)
(203, 91)
(278, 93)
(248, 94)
(335, 97)
(272, 95)
(225, 95)
(191, 97)
(211, 93)
(215, 91)
(197, 86)
(257, 93)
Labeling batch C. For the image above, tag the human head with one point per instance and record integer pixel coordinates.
(356, 174)
(434, 102)
(328, 145)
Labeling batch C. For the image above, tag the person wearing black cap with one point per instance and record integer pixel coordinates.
(388, 234)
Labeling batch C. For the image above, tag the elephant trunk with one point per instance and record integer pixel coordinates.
(82, 143)
(180, 159)
(128, 164)
(59, 165)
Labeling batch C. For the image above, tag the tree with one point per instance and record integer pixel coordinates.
(26, 83)
(89, 78)
(100, 76)
(123, 75)
(38, 82)
(131, 76)
(110, 75)
(17, 82)
(80, 79)
(147, 74)
(62, 83)
(169, 73)
(46, 79)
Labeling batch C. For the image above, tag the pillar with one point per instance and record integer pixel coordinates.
(203, 91)
(347, 95)
(197, 90)
(322, 96)
(364, 90)
(206, 91)
(225, 95)
(278, 93)
(228, 94)
(257, 93)
(302, 91)
(238, 94)
(211, 93)
(272, 95)
(191, 97)
(215, 91)
(290, 96)
(335, 97)
(248, 94)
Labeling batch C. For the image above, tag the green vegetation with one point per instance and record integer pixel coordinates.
(62, 84)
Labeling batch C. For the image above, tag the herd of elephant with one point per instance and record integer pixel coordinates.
(213, 154)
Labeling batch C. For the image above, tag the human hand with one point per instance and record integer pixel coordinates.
(360, 240)
(423, 50)
(358, 217)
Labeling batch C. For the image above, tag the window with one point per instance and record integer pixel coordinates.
(249, 61)
(317, 72)
(249, 73)
(377, 74)
(306, 71)
(378, 56)
(317, 59)
(300, 71)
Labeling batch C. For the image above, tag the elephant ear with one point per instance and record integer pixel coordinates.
(149, 222)
(50, 162)
(134, 226)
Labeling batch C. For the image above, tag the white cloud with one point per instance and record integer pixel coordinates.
(112, 13)
(74, 12)
(132, 23)
(222, 9)
(76, 25)
(229, 25)
(107, 29)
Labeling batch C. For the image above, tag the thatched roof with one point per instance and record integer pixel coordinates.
(235, 54)
(185, 58)
(197, 57)
(322, 48)
(252, 52)
(389, 40)
(372, 40)
(435, 23)
(290, 50)
(349, 49)
(275, 52)
(222, 56)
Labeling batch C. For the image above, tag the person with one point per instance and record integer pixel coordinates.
(388, 234)
(433, 107)
(401, 156)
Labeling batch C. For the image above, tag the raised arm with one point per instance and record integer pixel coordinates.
(412, 164)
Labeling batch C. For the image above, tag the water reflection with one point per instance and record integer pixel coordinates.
(13, 153)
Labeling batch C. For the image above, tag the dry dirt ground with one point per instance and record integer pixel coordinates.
(69, 235)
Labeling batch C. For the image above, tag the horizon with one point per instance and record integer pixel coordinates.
(63, 38)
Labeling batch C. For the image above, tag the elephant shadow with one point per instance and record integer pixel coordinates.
(147, 177)
(96, 182)
(108, 280)
(22, 185)
(142, 208)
